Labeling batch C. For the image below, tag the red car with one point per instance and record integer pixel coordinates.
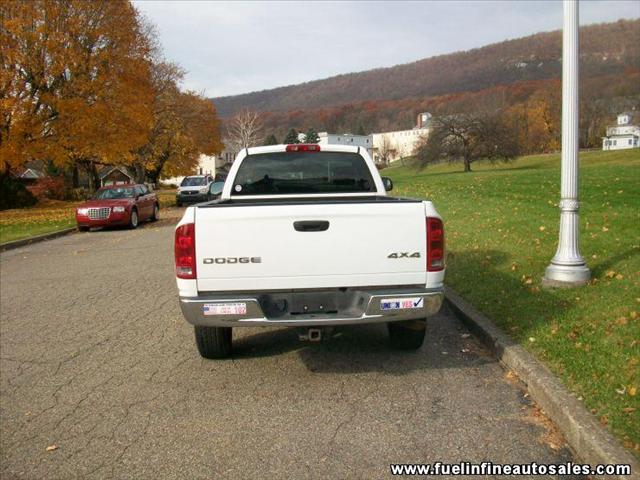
(123, 205)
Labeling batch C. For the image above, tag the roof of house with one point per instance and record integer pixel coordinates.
(107, 170)
(31, 173)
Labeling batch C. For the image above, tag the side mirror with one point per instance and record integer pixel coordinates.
(388, 184)
(215, 188)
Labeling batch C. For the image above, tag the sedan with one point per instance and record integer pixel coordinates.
(118, 205)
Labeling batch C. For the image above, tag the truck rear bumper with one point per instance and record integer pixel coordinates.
(311, 308)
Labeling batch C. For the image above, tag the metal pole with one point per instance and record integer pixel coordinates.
(568, 268)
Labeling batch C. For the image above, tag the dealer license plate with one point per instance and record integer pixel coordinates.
(401, 303)
(224, 308)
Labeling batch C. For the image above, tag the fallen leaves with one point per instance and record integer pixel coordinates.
(51, 448)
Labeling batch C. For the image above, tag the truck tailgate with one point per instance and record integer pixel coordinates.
(255, 247)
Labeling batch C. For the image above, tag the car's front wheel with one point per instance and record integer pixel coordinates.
(156, 213)
(213, 342)
(83, 228)
(407, 335)
(133, 219)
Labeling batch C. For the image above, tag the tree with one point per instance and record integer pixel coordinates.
(291, 137)
(467, 137)
(244, 130)
(360, 130)
(270, 140)
(385, 150)
(312, 136)
(76, 82)
(185, 125)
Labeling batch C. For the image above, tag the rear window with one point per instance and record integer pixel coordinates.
(286, 173)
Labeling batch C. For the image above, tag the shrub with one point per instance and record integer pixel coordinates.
(49, 187)
(13, 193)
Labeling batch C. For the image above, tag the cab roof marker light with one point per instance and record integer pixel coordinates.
(303, 147)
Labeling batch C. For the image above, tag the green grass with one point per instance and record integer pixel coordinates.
(44, 218)
(51, 216)
(502, 229)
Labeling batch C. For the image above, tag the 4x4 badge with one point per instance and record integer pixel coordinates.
(404, 255)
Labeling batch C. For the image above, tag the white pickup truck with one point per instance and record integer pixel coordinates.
(305, 236)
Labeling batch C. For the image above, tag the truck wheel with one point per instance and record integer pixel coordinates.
(408, 335)
(213, 342)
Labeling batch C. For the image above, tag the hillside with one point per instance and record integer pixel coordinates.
(606, 50)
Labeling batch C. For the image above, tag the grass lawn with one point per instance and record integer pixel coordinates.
(502, 230)
(50, 216)
(43, 218)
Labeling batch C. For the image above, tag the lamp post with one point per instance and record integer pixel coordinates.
(567, 267)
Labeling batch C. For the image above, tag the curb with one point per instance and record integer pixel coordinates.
(36, 239)
(590, 442)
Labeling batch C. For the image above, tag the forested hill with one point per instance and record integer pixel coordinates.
(605, 50)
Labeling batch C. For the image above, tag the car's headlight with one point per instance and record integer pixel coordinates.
(83, 211)
(118, 209)
(204, 190)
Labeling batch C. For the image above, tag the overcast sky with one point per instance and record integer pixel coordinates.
(237, 47)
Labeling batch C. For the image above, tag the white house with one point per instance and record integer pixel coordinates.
(622, 135)
(400, 143)
(215, 165)
(363, 141)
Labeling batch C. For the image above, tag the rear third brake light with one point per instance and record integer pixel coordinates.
(185, 251)
(303, 147)
(435, 245)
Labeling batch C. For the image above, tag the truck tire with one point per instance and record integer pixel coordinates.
(407, 335)
(213, 342)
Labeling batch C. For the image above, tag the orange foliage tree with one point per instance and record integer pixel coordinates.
(185, 125)
(75, 85)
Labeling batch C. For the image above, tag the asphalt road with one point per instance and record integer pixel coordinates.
(97, 360)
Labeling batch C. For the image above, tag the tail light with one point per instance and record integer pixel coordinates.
(185, 251)
(435, 245)
(303, 147)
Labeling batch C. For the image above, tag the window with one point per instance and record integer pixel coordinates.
(283, 173)
(630, 141)
(114, 193)
(193, 182)
(615, 142)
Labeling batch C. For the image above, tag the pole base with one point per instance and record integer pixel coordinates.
(566, 276)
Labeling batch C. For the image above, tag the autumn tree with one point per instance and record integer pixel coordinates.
(243, 130)
(185, 125)
(467, 137)
(75, 84)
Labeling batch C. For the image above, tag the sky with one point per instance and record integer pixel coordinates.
(236, 47)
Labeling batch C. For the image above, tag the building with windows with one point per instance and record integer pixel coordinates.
(363, 141)
(215, 165)
(625, 134)
(391, 146)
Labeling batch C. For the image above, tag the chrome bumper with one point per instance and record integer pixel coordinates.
(349, 307)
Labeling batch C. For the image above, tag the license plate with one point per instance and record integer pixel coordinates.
(224, 309)
(401, 303)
